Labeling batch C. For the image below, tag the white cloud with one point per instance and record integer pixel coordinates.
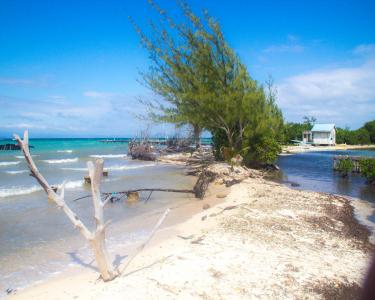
(284, 48)
(39, 81)
(23, 126)
(365, 49)
(345, 96)
(290, 46)
(82, 116)
(98, 95)
(16, 81)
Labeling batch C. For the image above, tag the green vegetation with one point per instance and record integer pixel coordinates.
(293, 131)
(367, 167)
(362, 136)
(204, 84)
(345, 166)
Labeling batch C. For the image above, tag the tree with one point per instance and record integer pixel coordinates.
(362, 136)
(309, 122)
(370, 127)
(204, 83)
(293, 131)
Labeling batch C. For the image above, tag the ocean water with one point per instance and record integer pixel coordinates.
(37, 240)
(314, 171)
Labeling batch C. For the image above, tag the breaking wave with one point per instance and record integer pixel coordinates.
(9, 163)
(61, 161)
(16, 191)
(21, 156)
(108, 155)
(16, 172)
(65, 151)
(127, 167)
(72, 184)
(19, 190)
(75, 169)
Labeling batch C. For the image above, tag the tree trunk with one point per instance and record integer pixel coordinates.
(197, 136)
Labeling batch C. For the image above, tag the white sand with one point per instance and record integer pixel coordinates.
(310, 148)
(263, 241)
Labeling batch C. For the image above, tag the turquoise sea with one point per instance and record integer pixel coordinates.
(37, 240)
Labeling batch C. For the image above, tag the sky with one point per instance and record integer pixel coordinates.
(72, 68)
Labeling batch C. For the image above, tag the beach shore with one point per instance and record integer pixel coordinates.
(310, 148)
(255, 239)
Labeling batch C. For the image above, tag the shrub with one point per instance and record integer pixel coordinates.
(345, 166)
(265, 151)
(367, 166)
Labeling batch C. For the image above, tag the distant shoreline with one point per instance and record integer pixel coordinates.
(310, 148)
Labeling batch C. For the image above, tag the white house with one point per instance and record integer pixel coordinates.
(320, 134)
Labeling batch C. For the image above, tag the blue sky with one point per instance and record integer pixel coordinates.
(70, 68)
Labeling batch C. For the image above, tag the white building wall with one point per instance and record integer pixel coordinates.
(324, 138)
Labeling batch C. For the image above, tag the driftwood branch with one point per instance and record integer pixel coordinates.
(95, 238)
(154, 190)
(108, 195)
(57, 199)
(143, 245)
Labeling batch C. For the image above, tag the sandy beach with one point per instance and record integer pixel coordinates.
(310, 148)
(254, 240)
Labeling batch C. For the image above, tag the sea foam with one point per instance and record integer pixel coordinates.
(19, 190)
(72, 184)
(61, 161)
(16, 172)
(75, 169)
(108, 155)
(127, 167)
(9, 163)
(64, 151)
(16, 191)
(21, 156)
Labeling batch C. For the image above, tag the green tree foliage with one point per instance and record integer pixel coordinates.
(367, 167)
(204, 83)
(370, 127)
(361, 136)
(293, 131)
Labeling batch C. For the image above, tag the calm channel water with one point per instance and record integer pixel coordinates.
(314, 171)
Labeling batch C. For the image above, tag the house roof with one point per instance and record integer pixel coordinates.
(323, 127)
